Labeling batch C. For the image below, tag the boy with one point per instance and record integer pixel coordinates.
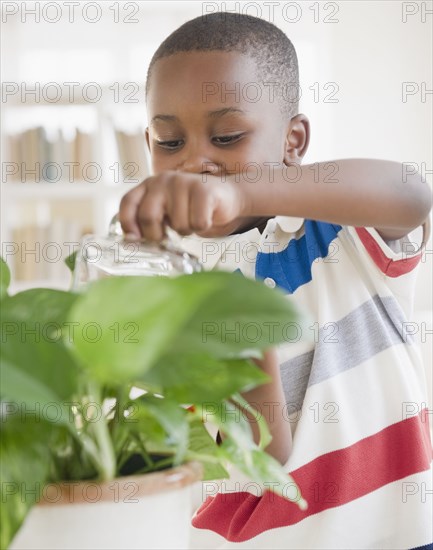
(228, 169)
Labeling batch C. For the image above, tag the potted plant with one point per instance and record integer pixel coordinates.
(104, 397)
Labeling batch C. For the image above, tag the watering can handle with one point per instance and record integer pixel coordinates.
(115, 229)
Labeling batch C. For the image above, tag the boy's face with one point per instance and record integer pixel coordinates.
(208, 113)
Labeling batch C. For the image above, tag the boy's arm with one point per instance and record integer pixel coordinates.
(269, 402)
(356, 192)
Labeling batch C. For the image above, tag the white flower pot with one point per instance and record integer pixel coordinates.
(135, 512)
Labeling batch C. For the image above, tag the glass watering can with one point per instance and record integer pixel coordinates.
(100, 257)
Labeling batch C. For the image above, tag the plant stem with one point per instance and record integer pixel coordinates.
(265, 436)
(157, 466)
(146, 456)
(106, 457)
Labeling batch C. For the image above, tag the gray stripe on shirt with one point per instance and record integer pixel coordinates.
(371, 328)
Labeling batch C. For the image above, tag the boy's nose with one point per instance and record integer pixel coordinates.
(198, 163)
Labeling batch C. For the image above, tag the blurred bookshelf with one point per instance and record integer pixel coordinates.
(65, 167)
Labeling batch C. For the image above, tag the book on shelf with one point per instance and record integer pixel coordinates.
(29, 148)
(64, 156)
(40, 158)
(83, 153)
(42, 249)
(28, 261)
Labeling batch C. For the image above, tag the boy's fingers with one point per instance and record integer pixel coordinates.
(200, 211)
(128, 210)
(151, 214)
(178, 209)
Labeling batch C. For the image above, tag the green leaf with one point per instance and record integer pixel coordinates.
(70, 261)
(203, 378)
(24, 468)
(172, 418)
(5, 278)
(37, 371)
(24, 392)
(136, 320)
(238, 447)
(203, 446)
(230, 420)
(160, 423)
(128, 322)
(71, 460)
(264, 469)
(239, 316)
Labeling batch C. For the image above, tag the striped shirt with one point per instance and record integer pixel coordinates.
(355, 393)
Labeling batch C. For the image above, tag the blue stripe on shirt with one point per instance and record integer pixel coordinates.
(291, 268)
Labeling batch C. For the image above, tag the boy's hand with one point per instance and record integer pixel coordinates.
(188, 203)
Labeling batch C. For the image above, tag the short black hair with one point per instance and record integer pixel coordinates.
(270, 48)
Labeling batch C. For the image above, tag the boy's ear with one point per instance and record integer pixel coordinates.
(147, 138)
(297, 139)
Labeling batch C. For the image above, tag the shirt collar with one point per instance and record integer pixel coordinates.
(289, 224)
(209, 251)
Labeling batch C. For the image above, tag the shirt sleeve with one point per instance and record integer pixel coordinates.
(393, 263)
(394, 258)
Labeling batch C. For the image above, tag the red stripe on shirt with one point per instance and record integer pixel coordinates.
(392, 268)
(328, 481)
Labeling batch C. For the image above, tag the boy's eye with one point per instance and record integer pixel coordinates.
(226, 140)
(173, 144)
(170, 144)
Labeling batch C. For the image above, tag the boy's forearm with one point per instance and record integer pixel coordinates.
(269, 401)
(357, 192)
